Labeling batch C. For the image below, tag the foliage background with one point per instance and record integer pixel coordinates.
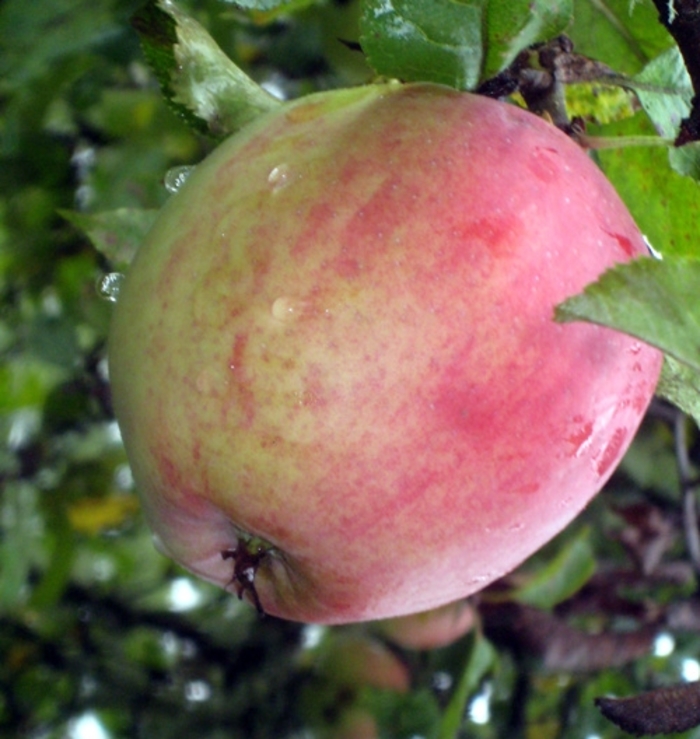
(102, 637)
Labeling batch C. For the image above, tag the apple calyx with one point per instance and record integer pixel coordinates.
(247, 556)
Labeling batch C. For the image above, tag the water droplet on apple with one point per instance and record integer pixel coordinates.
(176, 177)
(109, 285)
(635, 348)
(279, 178)
(287, 309)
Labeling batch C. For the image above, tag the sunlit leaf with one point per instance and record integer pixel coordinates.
(198, 79)
(26, 382)
(598, 102)
(665, 205)
(93, 515)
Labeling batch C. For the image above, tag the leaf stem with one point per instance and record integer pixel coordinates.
(620, 142)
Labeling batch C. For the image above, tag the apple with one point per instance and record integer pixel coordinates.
(357, 660)
(432, 629)
(334, 363)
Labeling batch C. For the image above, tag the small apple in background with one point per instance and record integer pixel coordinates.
(334, 362)
(340, 671)
(432, 629)
(355, 660)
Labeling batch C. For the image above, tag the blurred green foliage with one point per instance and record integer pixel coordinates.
(98, 632)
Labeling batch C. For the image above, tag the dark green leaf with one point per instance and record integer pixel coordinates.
(401, 714)
(480, 660)
(512, 25)
(680, 384)
(656, 301)
(669, 106)
(198, 79)
(563, 576)
(625, 35)
(116, 234)
(686, 160)
(21, 529)
(266, 5)
(64, 27)
(425, 40)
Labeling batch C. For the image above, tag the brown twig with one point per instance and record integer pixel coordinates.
(539, 74)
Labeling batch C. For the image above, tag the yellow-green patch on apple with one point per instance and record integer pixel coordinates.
(337, 340)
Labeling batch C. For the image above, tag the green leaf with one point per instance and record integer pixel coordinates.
(117, 234)
(599, 102)
(397, 714)
(686, 160)
(667, 107)
(200, 82)
(656, 301)
(563, 576)
(664, 204)
(480, 659)
(26, 381)
(680, 385)
(21, 529)
(513, 25)
(267, 5)
(57, 574)
(622, 34)
(425, 40)
(66, 28)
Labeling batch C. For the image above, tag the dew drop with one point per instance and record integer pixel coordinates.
(109, 285)
(279, 178)
(176, 177)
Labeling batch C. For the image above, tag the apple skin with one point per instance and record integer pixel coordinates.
(337, 340)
